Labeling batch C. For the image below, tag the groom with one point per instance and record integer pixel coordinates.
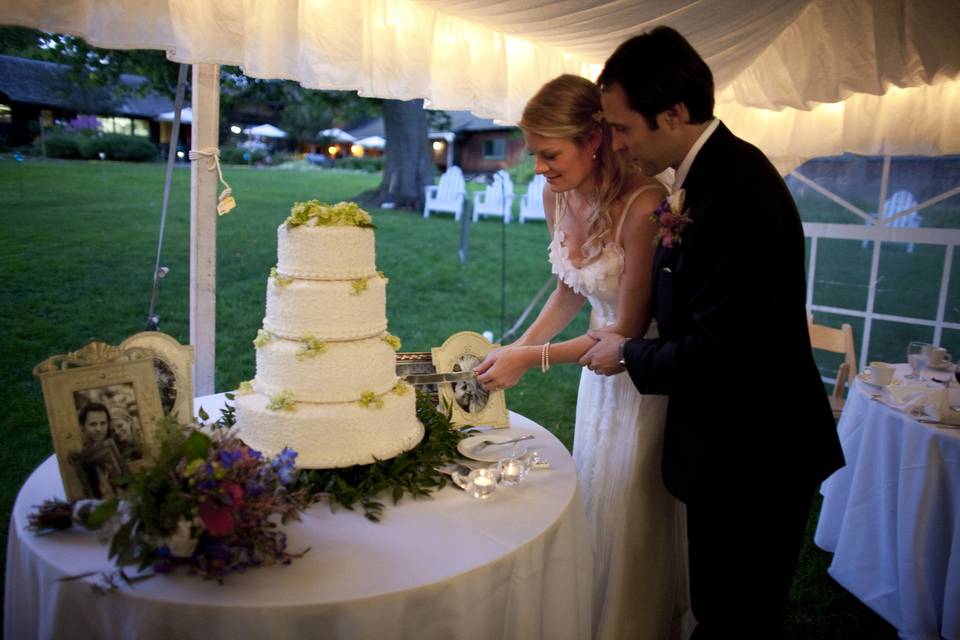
(749, 431)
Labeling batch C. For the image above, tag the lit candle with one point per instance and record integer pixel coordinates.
(482, 483)
(511, 472)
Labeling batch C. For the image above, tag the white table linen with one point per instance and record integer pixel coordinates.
(515, 566)
(891, 516)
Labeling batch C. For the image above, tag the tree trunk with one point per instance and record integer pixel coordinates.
(408, 167)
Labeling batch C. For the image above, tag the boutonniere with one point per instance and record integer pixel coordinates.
(670, 219)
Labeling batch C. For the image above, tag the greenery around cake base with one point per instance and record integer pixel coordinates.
(413, 472)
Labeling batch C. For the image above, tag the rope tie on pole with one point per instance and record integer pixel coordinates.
(226, 201)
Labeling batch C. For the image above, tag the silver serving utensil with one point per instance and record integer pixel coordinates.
(483, 444)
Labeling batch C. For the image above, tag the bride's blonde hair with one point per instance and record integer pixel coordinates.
(569, 107)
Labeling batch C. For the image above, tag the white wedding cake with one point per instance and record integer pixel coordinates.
(326, 383)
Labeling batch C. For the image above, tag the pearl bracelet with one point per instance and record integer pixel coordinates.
(545, 358)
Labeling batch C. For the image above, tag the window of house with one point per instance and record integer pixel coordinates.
(495, 149)
(141, 128)
(116, 125)
(6, 113)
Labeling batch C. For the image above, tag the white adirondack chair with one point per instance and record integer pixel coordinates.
(448, 196)
(496, 199)
(531, 203)
(900, 201)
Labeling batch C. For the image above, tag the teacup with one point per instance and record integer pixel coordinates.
(881, 373)
(936, 356)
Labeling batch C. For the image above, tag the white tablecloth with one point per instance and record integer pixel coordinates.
(515, 566)
(892, 516)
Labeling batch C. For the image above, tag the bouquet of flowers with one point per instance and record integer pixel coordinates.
(207, 502)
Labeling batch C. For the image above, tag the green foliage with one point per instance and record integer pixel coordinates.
(522, 172)
(116, 146)
(370, 165)
(239, 155)
(62, 145)
(413, 472)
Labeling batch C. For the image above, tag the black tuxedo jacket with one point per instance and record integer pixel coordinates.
(747, 407)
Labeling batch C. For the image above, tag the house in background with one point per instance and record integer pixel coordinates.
(476, 145)
(35, 93)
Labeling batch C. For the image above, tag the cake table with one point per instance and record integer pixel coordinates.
(515, 566)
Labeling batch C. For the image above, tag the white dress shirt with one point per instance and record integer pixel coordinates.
(688, 159)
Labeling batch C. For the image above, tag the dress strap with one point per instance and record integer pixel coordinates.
(626, 206)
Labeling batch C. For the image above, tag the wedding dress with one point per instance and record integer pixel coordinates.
(638, 529)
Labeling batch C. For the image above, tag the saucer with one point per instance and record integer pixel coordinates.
(865, 379)
(491, 453)
(943, 366)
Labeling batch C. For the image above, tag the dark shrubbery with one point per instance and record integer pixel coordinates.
(62, 145)
(114, 146)
(239, 155)
(370, 165)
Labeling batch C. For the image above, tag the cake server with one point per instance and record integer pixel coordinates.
(440, 378)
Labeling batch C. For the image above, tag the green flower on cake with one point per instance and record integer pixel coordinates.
(381, 275)
(402, 388)
(392, 340)
(316, 213)
(245, 387)
(282, 401)
(281, 281)
(368, 400)
(360, 285)
(310, 347)
(263, 338)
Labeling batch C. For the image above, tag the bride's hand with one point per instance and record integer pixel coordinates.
(502, 368)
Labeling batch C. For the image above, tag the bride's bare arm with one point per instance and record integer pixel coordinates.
(504, 367)
(636, 283)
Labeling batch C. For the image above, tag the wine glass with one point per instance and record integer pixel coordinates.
(917, 360)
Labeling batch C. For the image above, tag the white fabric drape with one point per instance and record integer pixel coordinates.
(799, 78)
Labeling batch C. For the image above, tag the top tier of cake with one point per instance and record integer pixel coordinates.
(326, 242)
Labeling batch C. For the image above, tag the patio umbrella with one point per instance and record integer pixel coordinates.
(338, 135)
(265, 131)
(372, 142)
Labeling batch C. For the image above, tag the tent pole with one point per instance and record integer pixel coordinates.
(203, 224)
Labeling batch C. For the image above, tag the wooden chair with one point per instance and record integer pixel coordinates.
(531, 203)
(496, 200)
(836, 341)
(447, 196)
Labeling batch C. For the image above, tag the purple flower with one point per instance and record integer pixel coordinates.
(283, 465)
(230, 458)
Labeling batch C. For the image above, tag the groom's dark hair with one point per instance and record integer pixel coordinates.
(657, 70)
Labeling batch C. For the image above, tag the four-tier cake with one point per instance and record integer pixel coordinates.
(326, 383)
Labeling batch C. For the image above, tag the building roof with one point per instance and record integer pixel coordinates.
(460, 122)
(49, 84)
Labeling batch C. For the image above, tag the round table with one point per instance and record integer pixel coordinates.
(515, 566)
(891, 516)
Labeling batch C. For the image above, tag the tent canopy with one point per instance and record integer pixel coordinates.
(799, 78)
(372, 142)
(265, 131)
(186, 116)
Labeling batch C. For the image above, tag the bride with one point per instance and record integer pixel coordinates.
(598, 214)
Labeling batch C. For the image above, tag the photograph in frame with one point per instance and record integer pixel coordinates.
(102, 405)
(470, 403)
(173, 367)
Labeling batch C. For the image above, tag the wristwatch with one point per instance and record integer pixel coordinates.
(623, 359)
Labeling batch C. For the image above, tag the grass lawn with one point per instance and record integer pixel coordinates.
(77, 250)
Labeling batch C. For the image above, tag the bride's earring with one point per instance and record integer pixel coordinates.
(594, 155)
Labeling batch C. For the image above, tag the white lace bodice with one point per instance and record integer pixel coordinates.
(598, 280)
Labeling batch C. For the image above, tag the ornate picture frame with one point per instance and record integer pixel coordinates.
(102, 406)
(470, 404)
(173, 367)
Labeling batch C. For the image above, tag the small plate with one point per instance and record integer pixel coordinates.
(865, 379)
(491, 453)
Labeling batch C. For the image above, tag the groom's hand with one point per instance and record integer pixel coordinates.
(604, 356)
